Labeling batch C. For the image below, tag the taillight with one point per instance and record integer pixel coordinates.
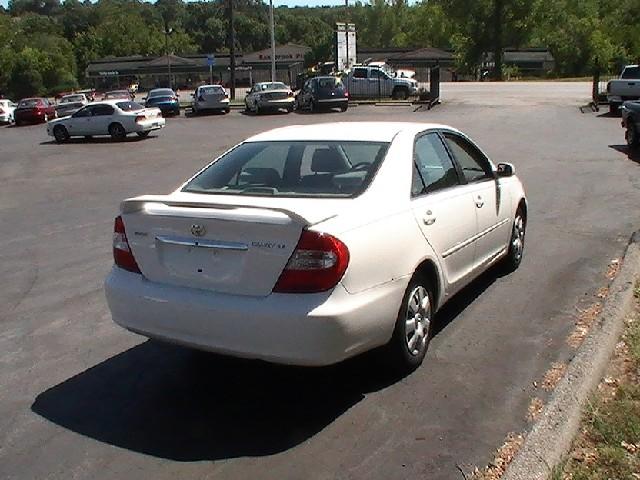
(316, 265)
(346, 94)
(122, 255)
(141, 118)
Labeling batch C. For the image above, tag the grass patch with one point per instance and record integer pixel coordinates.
(608, 447)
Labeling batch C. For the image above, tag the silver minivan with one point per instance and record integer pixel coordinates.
(210, 98)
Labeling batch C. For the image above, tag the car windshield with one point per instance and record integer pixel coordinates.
(116, 94)
(129, 106)
(72, 99)
(292, 169)
(162, 92)
(29, 103)
(273, 86)
(631, 72)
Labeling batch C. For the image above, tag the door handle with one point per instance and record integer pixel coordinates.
(429, 219)
(479, 202)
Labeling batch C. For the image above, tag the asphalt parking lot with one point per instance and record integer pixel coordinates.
(81, 398)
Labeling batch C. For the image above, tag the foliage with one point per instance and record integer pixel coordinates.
(56, 39)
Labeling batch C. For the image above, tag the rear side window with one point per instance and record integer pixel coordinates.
(432, 166)
(359, 73)
(475, 166)
(293, 168)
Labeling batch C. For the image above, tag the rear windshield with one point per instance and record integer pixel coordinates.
(116, 94)
(292, 169)
(129, 106)
(211, 90)
(631, 72)
(160, 99)
(72, 99)
(273, 86)
(29, 103)
(330, 83)
(164, 92)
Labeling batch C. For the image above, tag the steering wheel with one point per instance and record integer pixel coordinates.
(360, 166)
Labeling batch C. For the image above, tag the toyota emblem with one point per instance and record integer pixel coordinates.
(198, 230)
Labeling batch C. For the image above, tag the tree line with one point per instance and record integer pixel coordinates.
(45, 45)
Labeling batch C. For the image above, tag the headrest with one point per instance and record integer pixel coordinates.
(326, 160)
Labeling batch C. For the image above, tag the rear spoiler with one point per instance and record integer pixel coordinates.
(148, 202)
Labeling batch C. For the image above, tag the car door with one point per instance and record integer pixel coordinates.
(488, 198)
(443, 208)
(78, 123)
(101, 119)
(358, 82)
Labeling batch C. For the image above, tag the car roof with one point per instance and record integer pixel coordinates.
(347, 131)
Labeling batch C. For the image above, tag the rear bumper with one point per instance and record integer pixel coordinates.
(149, 125)
(281, 103)
(5, 117)
(29, 117)
(333, 102)
(306, 329)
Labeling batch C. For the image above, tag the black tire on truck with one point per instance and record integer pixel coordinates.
(633, 141)
(400, 93)
(614, 108)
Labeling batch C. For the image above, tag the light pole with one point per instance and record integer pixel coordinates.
(273, 42)
(168, 31)
(346, 37)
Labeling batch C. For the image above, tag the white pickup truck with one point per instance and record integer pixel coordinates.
(627, 87)
(375, 82)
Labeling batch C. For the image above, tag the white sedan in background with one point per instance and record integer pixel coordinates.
(7, 107)
(116, 118)
(269, 96)
(310, 244)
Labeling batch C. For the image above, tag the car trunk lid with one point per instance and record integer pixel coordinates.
(221, 246)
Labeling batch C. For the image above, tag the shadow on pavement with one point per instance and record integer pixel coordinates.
(105, 139)
(633, 155)
(184, 405)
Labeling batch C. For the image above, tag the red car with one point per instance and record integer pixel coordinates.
(34, 110)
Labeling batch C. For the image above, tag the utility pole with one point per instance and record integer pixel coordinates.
(167, 32)
(232, 52)
(273, 42)
(497, 40)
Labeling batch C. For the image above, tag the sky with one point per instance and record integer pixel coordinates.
(289, 3)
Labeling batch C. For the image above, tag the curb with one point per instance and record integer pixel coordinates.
(551, 436)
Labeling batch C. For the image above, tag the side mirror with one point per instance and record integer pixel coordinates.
(506, 170)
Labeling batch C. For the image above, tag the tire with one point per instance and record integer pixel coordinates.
(117, 131)
(290, 109)
(400, 94)
(60, 133)
(313, 107)
(227, 110)
(344, 108)
(414, 326)
(614, 108)
(631, 134)
(516, 242)
(143, 134)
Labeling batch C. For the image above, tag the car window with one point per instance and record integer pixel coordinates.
(631, 72)
(375, 73)
(359, 73)
(102, 110)
(292, 168)
(475, 166)
(433, 166)
(84, 112)
(29, 103)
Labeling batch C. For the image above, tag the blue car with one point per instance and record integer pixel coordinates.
(165, 99)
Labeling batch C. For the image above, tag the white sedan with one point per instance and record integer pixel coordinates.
(116, 118)
(310, 244)
(7, 107)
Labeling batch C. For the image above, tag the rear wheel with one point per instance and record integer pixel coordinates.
(143, 134)
(614, 108)
(117, 131)
(227, 110)
(632, 134)
(414, 325)
(344, 108)
(60, 133)
(400, 94)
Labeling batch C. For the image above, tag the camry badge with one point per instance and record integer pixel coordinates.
(198, 230)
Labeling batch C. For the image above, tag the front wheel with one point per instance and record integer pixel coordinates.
(60, 133)
(632, 134)
(516, 243)
(414, 325)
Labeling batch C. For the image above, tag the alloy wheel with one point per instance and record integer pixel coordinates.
(418, 320)
(517, 237)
